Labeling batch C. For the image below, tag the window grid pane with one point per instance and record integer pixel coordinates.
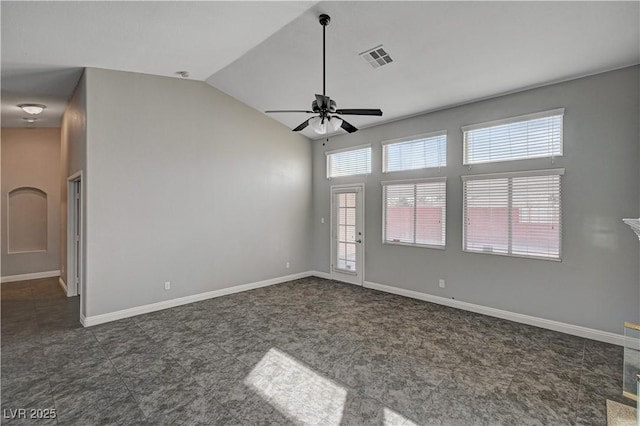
(346, 218)
(347, 163)
(486, 218)
(539, 137)
(415, 154)
(415, 214)
(536, 216)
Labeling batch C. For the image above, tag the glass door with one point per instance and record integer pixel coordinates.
(347, 233)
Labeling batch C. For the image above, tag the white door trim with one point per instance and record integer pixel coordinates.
(361, 189)
(72, 283)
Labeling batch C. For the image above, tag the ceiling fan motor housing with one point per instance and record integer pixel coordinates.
(316, 108)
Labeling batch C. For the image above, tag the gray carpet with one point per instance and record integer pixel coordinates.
(311, 351)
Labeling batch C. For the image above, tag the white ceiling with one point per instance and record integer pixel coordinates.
(269, 54)
(46, 44)
(445, 53)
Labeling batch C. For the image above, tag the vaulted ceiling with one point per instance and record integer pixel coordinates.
(269, 54)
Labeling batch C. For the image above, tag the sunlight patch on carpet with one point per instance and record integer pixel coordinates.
(297, 391)
(621, 415)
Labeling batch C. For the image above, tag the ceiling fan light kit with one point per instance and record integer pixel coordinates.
(326, 109)
(323, 126)
(33, 109)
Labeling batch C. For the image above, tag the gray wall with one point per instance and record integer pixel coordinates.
(31, 158)
(188, 185)
(73, 157)
(596, 284)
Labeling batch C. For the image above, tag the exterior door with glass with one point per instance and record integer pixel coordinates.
(347, 233)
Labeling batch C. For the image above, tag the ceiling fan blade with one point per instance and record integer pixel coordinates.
(359, 112)
(323, 101)
(347, 126)
(301, 126)
(290, 110)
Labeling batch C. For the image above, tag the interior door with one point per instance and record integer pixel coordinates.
(347, 233)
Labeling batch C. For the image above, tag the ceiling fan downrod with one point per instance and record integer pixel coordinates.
(324, 21)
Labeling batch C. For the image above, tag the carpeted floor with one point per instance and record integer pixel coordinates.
(311, 351)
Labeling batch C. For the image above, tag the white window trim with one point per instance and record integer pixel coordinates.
(507, 175)
(411, 139)
(524, 173)
(384, 211)
(515, 119)
(351, 148)
(511, 120)
(414, 138)
(413, 181)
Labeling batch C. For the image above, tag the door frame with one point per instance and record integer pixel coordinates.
(361, 187)
(73, 285)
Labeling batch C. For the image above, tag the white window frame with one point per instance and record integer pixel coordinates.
(511, 175)
(414, 138)
(511, 120)
(351, 148)
(384, 211)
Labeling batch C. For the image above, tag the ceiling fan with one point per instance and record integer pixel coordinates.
(326, 109)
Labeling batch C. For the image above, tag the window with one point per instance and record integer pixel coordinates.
(414, 212)
(513, 214)
(417, 152)
(527, 136)
(350, 161)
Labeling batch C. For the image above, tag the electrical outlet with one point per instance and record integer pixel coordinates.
(322, 220)
(288, 265)
(441, 283)
(167, 285)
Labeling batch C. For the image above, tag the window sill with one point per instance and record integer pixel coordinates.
(517, 256)
(427, 246)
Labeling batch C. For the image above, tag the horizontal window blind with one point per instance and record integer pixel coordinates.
(419, 152)
(349, 162)
(415, 212)
(513, 215)
(529, 136)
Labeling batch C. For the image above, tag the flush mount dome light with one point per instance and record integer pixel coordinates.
(33, 109)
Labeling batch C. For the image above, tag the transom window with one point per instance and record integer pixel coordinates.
(349, 161)
(414, 212)
(416, 152)
(513, 214)
(526, 136)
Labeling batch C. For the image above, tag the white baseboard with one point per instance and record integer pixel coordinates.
(32, 276)
(144, 309)
(319, 274)
(63, 286)
(589, 333)
(575, 330)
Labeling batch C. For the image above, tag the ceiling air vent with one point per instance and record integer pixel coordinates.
(376, 57)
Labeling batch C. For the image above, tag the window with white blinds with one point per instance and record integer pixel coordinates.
(517, 138)
(416, 152)
(350, 161)
(414, 212)
(513, 214)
